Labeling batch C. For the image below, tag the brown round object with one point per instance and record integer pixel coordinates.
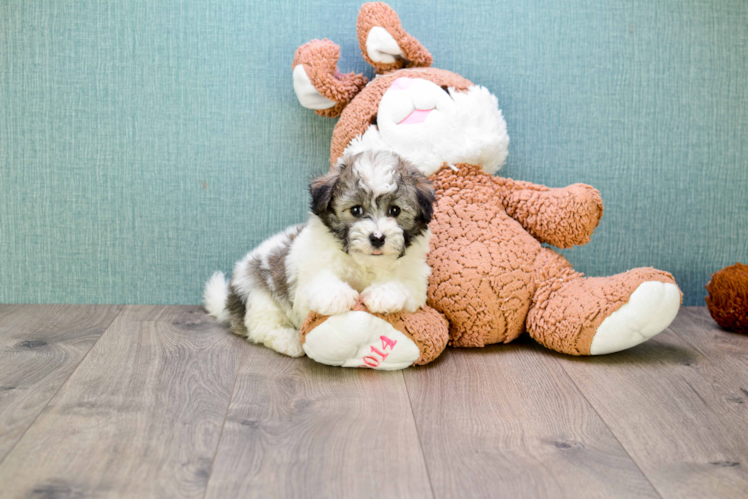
(728, 298)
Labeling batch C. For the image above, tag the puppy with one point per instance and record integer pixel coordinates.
(367, 236)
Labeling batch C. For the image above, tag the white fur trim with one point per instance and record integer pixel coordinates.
(381, 47)
(465, 127)
(650, 309)
(308, 96)
(347, 339)
(214, 296)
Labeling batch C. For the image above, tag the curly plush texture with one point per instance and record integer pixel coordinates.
(320, 61)
(426, 328)
(481, 260)
(568, 308)
(490, 274)
(381, 15)
(728, 297)
(493, 280)
(560, 217)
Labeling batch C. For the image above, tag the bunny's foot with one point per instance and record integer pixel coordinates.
(361, 339)
(581, 316)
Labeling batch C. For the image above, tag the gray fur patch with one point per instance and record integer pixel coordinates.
(277, 272)
(267, 271)
(236, 308)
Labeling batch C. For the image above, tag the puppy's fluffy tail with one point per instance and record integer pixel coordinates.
(215, 295)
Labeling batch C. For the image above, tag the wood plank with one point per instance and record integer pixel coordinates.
(40, 346)
(140, 417)
(727, 349)
(506, 421)
(296, 428)
(681, 415)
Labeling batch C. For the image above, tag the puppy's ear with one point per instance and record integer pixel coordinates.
(426, 198)
(321, 190)
(424, 192)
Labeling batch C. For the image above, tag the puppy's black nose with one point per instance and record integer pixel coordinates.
(377, 240)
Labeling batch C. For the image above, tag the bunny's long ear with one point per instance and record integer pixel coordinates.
(317, 82)
(384, 43)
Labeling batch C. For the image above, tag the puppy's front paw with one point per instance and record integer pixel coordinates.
(385, 297)
(334, 301)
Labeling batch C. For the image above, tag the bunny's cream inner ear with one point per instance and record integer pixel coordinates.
(381, 47)
(308, 96)
(384, 43)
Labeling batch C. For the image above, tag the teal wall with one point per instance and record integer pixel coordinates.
(144, 144)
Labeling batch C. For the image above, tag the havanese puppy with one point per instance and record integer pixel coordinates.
(367, 236)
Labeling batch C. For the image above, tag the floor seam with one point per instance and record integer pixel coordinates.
(418, 436)
(223, 425)
(633, 461)
(46, 405)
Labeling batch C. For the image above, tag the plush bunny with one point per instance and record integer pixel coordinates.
(491, 277)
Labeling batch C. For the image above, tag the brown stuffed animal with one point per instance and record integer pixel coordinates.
(728, 298)
(491, 277)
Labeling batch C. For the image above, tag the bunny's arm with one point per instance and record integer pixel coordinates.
(562, 217)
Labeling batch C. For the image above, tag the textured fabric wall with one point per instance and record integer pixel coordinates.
(145, 144)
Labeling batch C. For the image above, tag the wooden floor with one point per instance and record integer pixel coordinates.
(160, 401)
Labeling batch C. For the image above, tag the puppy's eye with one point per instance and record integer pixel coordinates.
(393, 211)
(357, 211)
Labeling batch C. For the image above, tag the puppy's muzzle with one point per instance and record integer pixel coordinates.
(376, 240)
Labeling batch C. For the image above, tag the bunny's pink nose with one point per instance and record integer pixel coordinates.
(402, 83)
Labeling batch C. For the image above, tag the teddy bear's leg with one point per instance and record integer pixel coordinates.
(361, 339)
(581, 316)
